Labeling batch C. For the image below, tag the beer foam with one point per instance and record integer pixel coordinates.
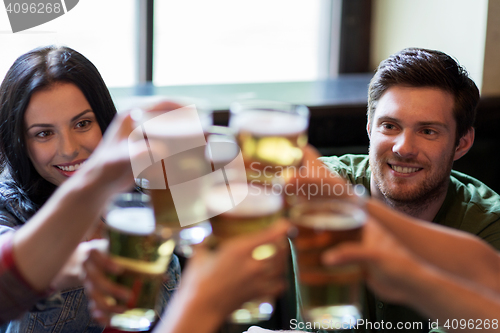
(265, 123)
(181, 128)
(257, 202)
(330, 221)
(136, 221)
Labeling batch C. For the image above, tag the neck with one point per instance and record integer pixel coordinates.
(425, 208)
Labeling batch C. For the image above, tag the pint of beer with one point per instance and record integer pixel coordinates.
(271, 135)
(329, 295)
(256, 212)
(176, 169)
(143, 254)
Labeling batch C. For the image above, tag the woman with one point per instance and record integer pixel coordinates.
(54, 109)
(31, 256)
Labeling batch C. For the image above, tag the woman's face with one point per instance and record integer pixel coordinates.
(61, 131)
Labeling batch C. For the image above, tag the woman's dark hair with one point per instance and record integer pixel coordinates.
(34, 71)
(415, 67)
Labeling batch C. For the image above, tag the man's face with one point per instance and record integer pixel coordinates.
(412, 143)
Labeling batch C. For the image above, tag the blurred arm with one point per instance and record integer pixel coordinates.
(456, 252)
(215, 284)
(399, 276)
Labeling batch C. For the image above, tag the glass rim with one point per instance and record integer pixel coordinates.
(143, 113)
(269, 105)
(124, 197)
(345, 206)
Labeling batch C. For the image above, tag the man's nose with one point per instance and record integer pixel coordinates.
(405, 145)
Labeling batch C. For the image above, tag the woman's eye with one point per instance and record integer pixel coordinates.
(83, 123)
(43, 134)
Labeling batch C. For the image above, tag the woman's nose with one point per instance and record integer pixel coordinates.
(68, 145)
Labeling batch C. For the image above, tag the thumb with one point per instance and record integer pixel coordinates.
(348, 254)
(273, 234)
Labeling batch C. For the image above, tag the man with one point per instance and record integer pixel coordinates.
(421, 109)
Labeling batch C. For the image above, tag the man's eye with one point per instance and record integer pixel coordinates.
(388, 126)
(429, 131)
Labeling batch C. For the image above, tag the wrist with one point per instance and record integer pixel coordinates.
(423, 285)
(90, 184)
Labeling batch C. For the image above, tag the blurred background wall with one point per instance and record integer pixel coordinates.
(318, 52)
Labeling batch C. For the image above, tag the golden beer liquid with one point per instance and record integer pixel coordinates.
(256, 212)
(327, 290)
(182, 167)
(225, 226)
(272, 150)
(145, 256)
(270, 141)
(164, 209)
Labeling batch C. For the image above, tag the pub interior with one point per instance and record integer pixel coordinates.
(313, 62)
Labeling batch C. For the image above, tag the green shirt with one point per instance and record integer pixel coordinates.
(469, 206)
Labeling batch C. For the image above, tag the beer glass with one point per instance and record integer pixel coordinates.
(144, 254)
(174, 173)
(235, 208)
(271, 136)
(330, 295)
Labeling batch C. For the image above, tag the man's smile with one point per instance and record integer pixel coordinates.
(404, 169)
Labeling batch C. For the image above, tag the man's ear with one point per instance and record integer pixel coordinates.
(464, 144)
(368, 128)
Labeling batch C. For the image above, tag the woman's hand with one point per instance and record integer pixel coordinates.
(109, 166)
(101, 291)
(232, 270)
(71, 275)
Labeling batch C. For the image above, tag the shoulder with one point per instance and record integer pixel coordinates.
(347, 162)
(473, 207)
(355, 168)
(15, 206)
(473, 192)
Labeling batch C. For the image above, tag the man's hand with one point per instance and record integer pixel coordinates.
(389, 267)
(217, 282)
(314, 179)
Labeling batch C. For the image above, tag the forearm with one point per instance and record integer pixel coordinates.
(187, 313)
(44, 244)
(445, 299)
(455, 252)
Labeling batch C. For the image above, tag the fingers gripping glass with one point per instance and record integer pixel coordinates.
(176, 171)
(329, 294)
(238, 208)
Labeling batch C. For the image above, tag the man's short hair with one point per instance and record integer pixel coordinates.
(415, 67)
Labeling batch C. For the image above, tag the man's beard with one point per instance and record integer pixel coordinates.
(416, 199)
